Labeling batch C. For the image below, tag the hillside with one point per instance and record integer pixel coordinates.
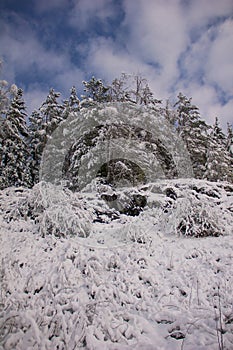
(99, 270)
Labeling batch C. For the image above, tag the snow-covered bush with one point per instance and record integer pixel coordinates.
(54, 209)
(62, 220)
(64, 214)
(198, 221)
(192, 208)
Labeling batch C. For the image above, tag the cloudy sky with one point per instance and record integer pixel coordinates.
(178, 45)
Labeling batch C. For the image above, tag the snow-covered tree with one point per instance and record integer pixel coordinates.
(127, 88)
(37, 139)
(218, 133)
(51, 111)
(15, 153)
(42, 124)
(96, 91)
(117, 89)
(72, 105)
(4, 100)
(132, 88)
(169, 113)
(194, 132)
(229, 140)
(6, 93)
(219, 160)
(74, 100)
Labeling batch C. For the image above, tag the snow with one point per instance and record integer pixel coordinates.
(130, 283)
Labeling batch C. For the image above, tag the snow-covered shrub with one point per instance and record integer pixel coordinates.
(198, 225)
(62, 220)
(65, 213)
(190, 208)
(197, 219)
(54, 209)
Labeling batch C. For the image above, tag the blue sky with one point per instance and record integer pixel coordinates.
(178, 45)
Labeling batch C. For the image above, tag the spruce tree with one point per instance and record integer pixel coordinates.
(51, 111)
(117, 90)
(72, 105)
(42, 123)
(229, 140)
(96, 91)
(194, 132)
(219, 160)
(37, 139)
(15, 153)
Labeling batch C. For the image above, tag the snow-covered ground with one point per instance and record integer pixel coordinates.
(118, 281)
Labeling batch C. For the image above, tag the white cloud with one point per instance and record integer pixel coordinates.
(108, 59)
(23, 51)
(219, 69)
(34, 97)
(25, 54)
(69, 77)
(46, 6)
(157, 35)
(200, 13)
(84, 11)
(156, 40)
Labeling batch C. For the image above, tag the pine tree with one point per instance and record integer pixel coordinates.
(15, 154)
(194, 132)
(219, 161)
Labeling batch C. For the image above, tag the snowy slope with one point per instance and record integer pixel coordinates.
(104, 280)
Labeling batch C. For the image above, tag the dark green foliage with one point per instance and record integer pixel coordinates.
(37, 140)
